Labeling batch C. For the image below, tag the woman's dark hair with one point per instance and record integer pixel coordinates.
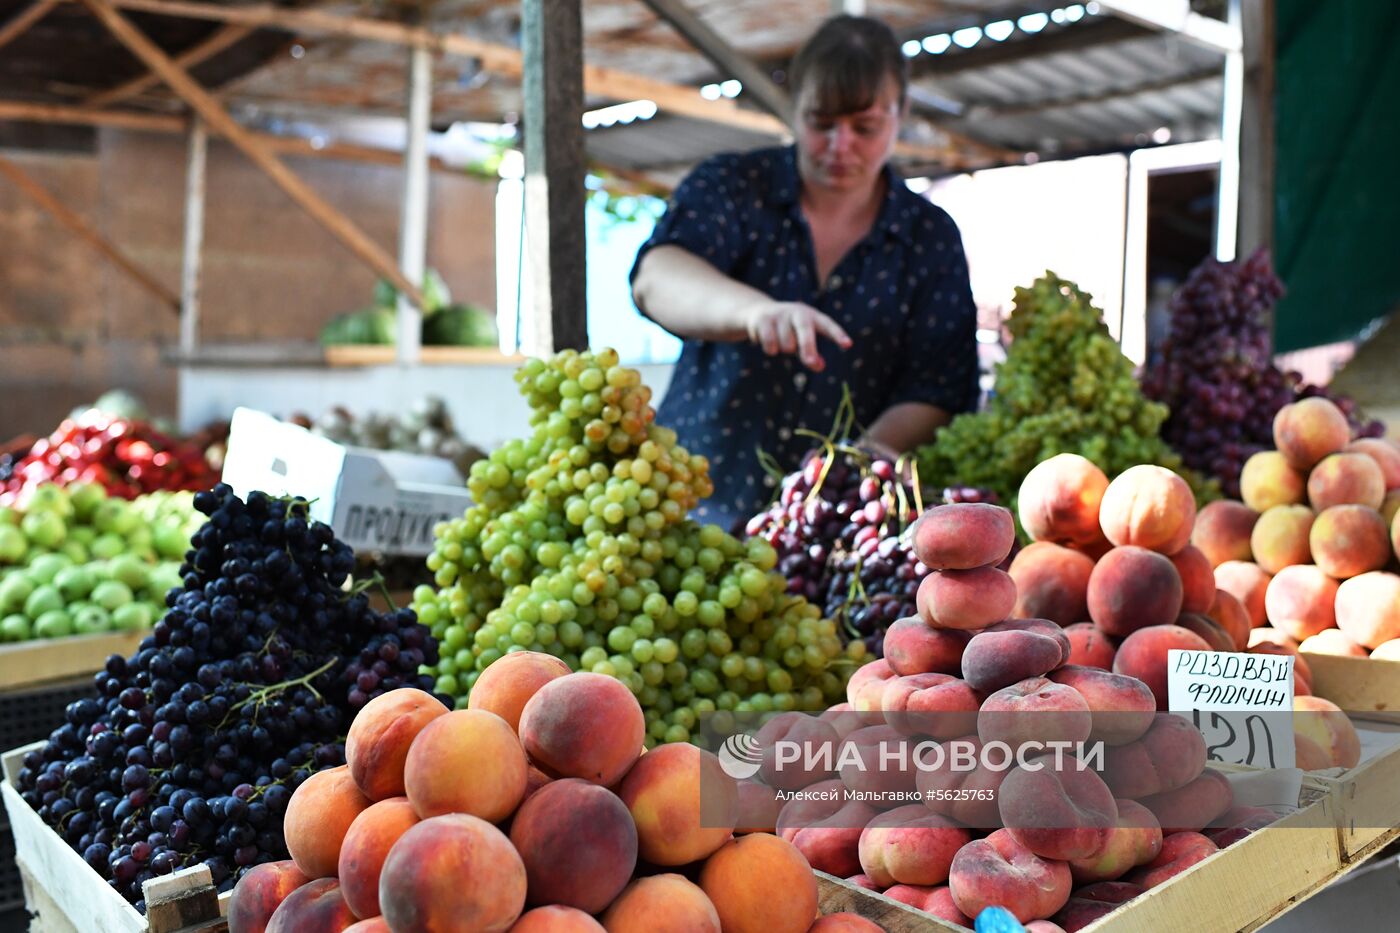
(847, 61)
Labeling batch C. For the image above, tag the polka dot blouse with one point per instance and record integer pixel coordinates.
(902, 295)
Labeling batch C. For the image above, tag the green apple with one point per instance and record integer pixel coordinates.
(111, 595)
(14, 590)
(116, 516)
(13, 545)
(15, 628)
(44, 567)
(51, 498)
(107, 545)
(86, 497)
(75, 552)
(44, 599)
(44, 529)
(130, 570)
(132, 617)
(75, 582)
(91, 619)
(83, 534)
(170, 541)
(9, 515)
(55, 624)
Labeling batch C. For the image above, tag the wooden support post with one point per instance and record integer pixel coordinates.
(60, 212)
(196, 159)
(220, 40)
(554, 173)
(19, 24)
(1227, 202)
(413, 216)
(204, 104)
(724, 56)
(1257, 127)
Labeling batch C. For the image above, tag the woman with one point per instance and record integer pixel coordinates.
(791, 273)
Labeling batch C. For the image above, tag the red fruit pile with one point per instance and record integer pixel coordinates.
(127, 458)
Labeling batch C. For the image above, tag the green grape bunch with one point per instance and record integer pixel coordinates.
(1065, 387)
(578, 544)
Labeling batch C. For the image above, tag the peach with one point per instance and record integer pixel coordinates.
(877, 760)
(667, 903)
(372, 925)
(578, 844)
(1267, 480)
(315, 907)
(966, 599)
(757, 808)
(1135, 839)
(863, 881)
(1150, 507)
(1300, 600)
(556, 919)
(1052, 582)
(827, 833)
(1308, 430)
(742, 877)
(912, 647)
(1171, 754)
(910, 845)
(508, 683)
(1179, 852)
(1059, 500)
(1222, 531)
(467, 761)
(1093, 901)
(1229, 613)
(1090, 647)
(682, 802)
(1386, 453)
(964, 535)
(844, 922)
(1193, 807)
(1323, 722)
(960, 785)
(534, 780)
(378, 741)
(1057, 809)
(1349, 540)
(1387, 650)
(1143, 655)
(843, 718)
(1044, 627)
(1197, 579)
(1122, 708)
(866, 688)
(1132, 588)
(1332, 641)
(1247, 582)
(1368, 608)
(999, 659)
(421, 885)
(936, 900)
(1034, 710)
(366, 846)
(318, 816)
(937, 705)
(999, 871)
(816, 737)
(583, 725)
(1389, 509)
(1280, 537)
(1346, 479)
(1208, 629)
(1271, 641)
(259, 893)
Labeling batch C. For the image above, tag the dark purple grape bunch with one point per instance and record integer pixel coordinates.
(191, 748)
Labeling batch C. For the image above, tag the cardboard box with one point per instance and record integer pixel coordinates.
(376, 500)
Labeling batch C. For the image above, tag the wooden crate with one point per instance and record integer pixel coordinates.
(357, 355)
(1364, 687)
(1367, 797)
(64, 891)
(28, 663)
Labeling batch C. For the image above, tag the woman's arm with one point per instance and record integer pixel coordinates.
(905, 426)
(694, 300)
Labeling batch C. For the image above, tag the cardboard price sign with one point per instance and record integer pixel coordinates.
(1241, 703)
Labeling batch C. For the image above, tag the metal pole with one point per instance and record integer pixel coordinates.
(413, 218)
(1227, 209)
(196, 160)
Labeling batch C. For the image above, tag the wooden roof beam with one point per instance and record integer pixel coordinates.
(69, 218)
(218, 41)
(203, 103)
(976, 110)
(19, 24)
(1176, 17)
(1085, 34)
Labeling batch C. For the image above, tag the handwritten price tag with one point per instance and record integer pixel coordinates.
(1242, 703)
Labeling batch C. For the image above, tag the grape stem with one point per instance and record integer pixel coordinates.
(260, 695)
